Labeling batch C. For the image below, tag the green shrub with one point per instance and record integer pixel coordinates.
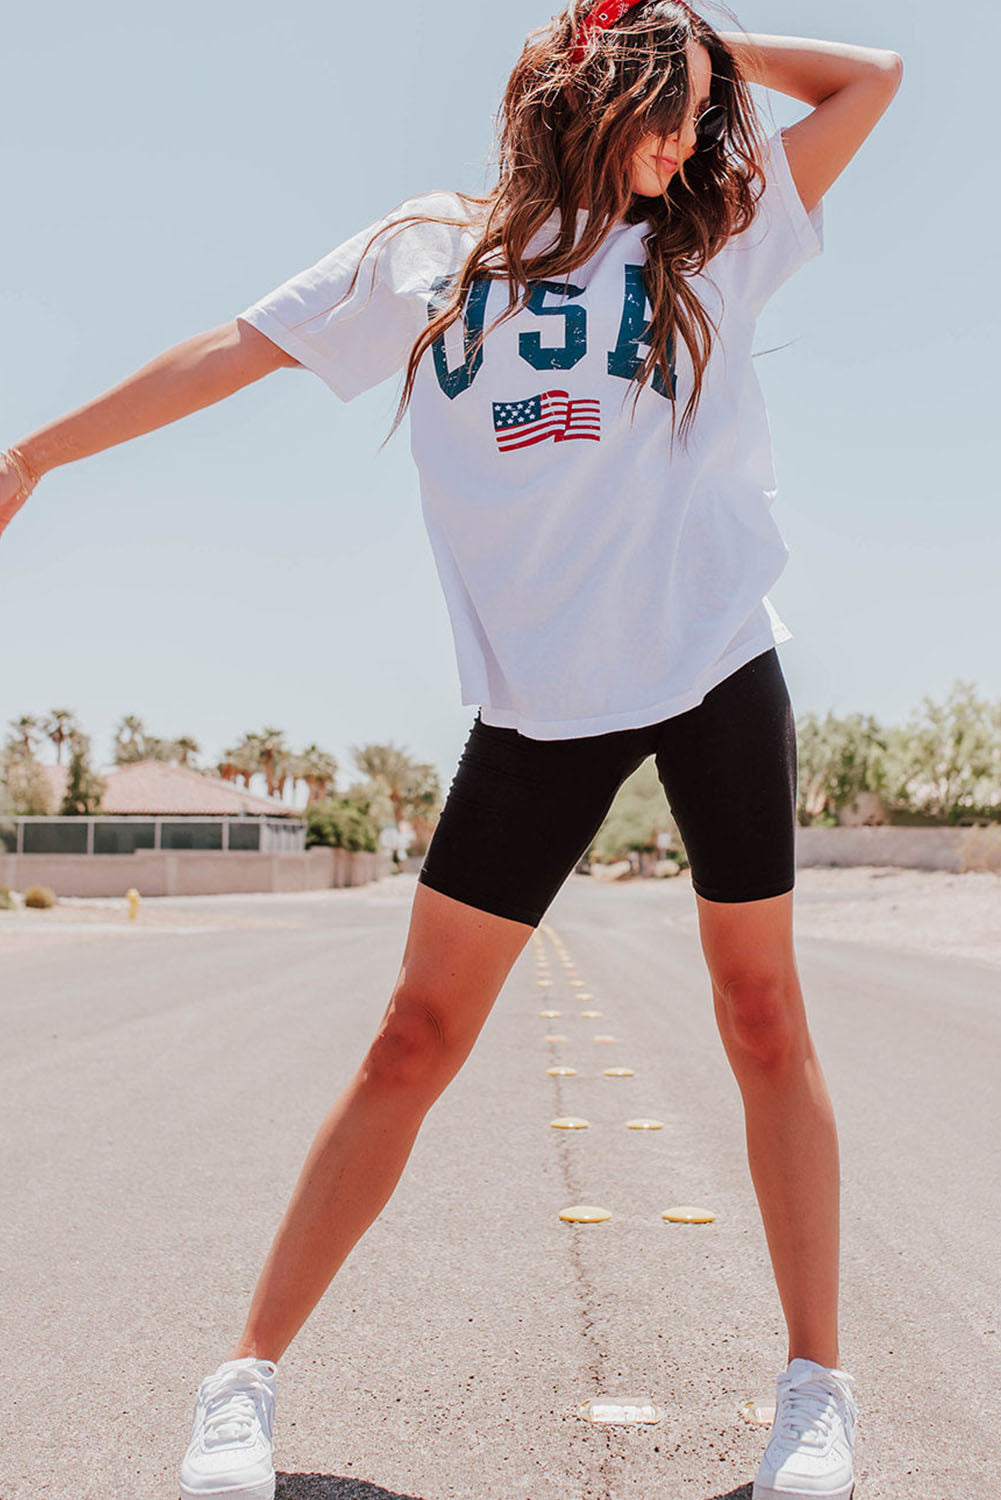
(340, 824)
(41, 896)
(638, 813)
(7, 902)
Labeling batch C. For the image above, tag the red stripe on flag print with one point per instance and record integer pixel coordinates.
(552, 414)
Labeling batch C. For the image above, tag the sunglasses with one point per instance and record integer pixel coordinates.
(710, 127)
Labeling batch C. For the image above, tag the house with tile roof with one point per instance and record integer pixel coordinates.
(154, 788)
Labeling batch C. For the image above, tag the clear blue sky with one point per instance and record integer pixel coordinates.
(260, 561)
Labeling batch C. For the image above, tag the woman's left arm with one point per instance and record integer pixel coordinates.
(849, 87)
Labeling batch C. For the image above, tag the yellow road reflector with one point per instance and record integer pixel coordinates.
(585, 996)
(759, 1411)
(577, 983)
(585, 1213)
(550, 1015)
(542, 983)
(603, 1039)
(562, 1072)
(618, 1073)
(569, 1122)
(686, 1214)
(630, 1409)
(555, 1038)
(591, 1015)
(644, 1124)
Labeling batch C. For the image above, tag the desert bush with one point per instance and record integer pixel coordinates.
(340, 824)
(638, 813)
(7, 902)
(980, 849)
(838, 758)
(946, 760)
(24, 784)
(41, 896)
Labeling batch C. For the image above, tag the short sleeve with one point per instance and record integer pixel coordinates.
(781, 238)
(355, 340)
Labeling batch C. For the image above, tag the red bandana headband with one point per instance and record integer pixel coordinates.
(604, 14)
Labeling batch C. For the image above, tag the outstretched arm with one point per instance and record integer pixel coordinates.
(187, 377)
(849, 87)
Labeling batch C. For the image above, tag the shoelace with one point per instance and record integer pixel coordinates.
(230, 1409)
(807, 1409)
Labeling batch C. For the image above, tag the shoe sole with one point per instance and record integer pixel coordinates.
(263, 1490)
(765, 1492)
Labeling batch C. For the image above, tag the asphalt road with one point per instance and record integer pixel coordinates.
(160, 1085)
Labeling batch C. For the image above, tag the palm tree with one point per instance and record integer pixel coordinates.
(296, 770)
(184, 748)
(242, 760)
(60, 726)
(409, 785)
(389, 764)
(274, 758)
(318, 770)
(129, 744)
(162, 750)
(28, 730)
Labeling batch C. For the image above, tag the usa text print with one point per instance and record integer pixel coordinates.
(623, 361)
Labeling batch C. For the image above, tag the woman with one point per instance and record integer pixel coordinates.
(605, 566)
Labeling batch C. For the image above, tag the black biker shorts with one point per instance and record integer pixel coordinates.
(521, 812)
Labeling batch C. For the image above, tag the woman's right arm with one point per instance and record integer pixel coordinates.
(185, 378)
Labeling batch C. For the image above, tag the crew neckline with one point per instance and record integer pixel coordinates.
(550, 227)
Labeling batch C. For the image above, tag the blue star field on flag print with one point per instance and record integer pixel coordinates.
(550, 415)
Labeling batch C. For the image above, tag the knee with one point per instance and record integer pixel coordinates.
(411, 1045)
(761, 1017)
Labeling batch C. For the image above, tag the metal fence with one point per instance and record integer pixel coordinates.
(126, 835)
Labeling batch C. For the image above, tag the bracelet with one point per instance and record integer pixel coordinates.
(24, 470)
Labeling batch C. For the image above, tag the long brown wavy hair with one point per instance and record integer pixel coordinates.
(566, 137)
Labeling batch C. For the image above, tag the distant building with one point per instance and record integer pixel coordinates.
(167, 830)
(149, 804)
(153, 788)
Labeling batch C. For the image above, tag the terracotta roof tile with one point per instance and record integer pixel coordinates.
(154, 787)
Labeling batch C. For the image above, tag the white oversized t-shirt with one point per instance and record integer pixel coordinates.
(594, 580)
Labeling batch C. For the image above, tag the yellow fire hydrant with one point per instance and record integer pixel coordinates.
(133, 898)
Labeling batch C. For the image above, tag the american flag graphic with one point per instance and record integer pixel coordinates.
(553, 414)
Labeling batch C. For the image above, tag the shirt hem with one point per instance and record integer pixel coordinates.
(274, 329)
(805, 225)
(563, 729)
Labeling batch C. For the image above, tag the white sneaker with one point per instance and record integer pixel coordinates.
(810, 1452)
(229, 1455)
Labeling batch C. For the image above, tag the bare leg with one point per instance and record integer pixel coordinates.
(455, 962)
(792, 1142)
